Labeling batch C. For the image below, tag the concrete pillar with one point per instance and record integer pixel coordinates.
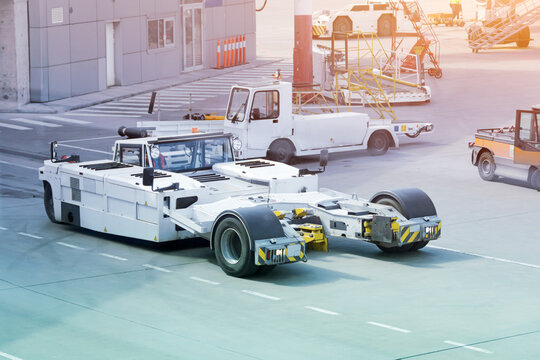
(14, 60)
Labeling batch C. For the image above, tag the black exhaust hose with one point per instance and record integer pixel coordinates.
(132, 133)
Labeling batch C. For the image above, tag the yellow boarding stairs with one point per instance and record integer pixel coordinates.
(522, 14)
(424, 32)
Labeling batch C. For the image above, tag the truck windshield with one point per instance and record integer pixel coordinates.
(237, 104)
(191, 155)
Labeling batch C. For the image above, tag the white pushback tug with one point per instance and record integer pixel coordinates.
(186, 186)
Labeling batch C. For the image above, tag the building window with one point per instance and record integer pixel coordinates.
(160, 33)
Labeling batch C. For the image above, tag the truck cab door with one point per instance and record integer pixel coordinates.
(264, 119)
(527, 139)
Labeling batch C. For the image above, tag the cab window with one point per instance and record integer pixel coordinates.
(378, 7)
(360, 8)
(528, 130)
(130, 154)
(265, 105)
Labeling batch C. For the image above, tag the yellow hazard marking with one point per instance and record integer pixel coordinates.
(403, 127)
(405, 234)
(291, 259)
(301, 254)
(413, 236)
(145, 203)
(439, 227)
(418, 50)
(105, 229)
(261, 253)
(155, 238)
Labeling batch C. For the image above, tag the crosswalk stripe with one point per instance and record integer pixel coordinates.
(14, 127)
(77, 113)
(35, 122)
(62, 119)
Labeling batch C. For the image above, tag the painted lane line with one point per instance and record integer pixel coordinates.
(30, 235)
(389, 327)
(465, 346)
(204, 280)
(487, 257)
(70, 245)
(76, 113)
(8, 356)
(113, 257)
(86, 149)
(18, 165)
(14, 127)
(327, 312)
(35, 122)
(156, 268)
(264, 296)
(89, 139)
(2, 228)
(66, 120)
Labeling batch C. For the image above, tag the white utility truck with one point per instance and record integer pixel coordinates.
(179, 187)
(262, 122)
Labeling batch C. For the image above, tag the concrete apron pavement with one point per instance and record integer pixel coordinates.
(121, 92)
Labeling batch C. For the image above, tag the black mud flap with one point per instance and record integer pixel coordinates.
(71, 214)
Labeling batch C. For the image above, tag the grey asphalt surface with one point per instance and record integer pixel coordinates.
(474, 294)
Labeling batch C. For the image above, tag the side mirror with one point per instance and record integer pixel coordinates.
(148, 177)
(324, 158)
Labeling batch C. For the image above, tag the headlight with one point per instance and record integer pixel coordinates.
(237, 144)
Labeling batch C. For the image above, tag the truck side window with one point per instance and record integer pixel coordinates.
(380, 7)
(131, 154)
(527, 128)
(265, 105)
(360, 8)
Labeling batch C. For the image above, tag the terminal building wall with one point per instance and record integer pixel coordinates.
(83, 46)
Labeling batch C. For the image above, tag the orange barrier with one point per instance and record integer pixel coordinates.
(218, 62)
(243, 49)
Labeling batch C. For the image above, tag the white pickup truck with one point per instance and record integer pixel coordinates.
(179, 187)
(262, 123)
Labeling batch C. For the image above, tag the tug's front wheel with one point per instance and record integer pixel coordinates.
(48, 202)
(411, 203)
(232, 249)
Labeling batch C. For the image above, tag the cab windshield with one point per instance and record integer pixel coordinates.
(237, 105)
(190, 155)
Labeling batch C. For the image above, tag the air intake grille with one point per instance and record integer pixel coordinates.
(208, 177)
(255, 164)
(106, 166)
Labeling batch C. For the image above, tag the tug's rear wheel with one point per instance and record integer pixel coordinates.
(394, 249)
(232, 249)
(48, 202)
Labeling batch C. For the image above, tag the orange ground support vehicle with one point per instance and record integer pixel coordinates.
(512, 152)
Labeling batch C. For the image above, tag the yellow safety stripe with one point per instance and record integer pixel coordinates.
(405, 234)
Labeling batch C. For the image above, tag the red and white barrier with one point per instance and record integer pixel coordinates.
(218, 60)
(234, 52)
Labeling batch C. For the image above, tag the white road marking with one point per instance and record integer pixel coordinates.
(35, 122)
(8, 356)
(204, 280)
(14, 127)
(156, 268)
(75, 113)
(264, 296)
(2, 228)
(66, 120)
(487, 257)
(17, 165)
(389, 327)
(465, 346)
(327, 312)
(70, 245)
(89, 139)
(81, 148)
(30, 235)
(113, 256)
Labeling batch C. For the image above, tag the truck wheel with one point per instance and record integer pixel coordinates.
(378, 143)
(232, 248)
(525, 37)
(535, 179)
(342, 25)
(415, 203)
(48, 202)
(385, 25)
(281, 151)
(486, 166)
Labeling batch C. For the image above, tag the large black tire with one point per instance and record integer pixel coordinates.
(525, 37)
(48, 202)
(535, 179)
(378, 143)
(486, 166)
(394, 249)
(385, 25)
(281, 151)
(418, 206)
(342, 24)
(232, 248)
